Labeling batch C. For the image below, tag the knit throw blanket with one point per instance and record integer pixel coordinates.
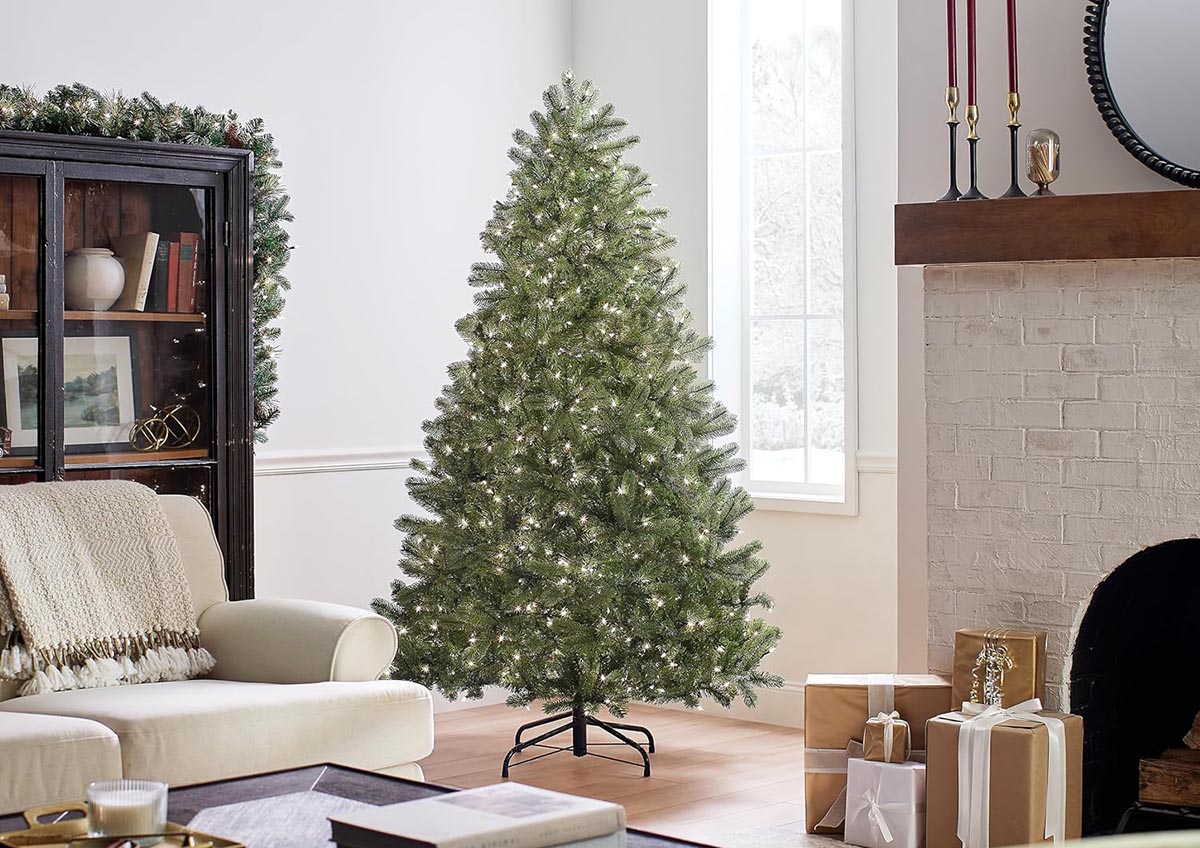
(92, 589)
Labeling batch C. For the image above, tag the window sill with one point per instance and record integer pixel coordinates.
(778, 502)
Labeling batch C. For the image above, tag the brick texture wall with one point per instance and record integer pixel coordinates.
(1063, 426)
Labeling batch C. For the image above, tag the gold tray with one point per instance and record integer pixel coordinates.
(72, 833)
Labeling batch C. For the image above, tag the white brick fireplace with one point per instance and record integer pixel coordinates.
(1063, 427)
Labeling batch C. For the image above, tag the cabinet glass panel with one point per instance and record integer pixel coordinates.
(193, 480)
(21, 246)
(136, 351)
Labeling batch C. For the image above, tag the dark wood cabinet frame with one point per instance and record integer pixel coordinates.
(227, 173)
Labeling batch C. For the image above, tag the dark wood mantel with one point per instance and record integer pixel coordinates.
(1158, 224)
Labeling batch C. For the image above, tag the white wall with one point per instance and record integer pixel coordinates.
(833, 577)
(1055, 94)
(393, 120)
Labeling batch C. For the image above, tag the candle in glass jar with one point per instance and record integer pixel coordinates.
(123, 813)
(126, 807)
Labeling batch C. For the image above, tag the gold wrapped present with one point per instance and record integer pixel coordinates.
(1004, 667)
(886, 739)
(1031, 790)
(836, 707)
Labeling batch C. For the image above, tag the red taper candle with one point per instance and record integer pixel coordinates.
(952, 41)
(1012, 45)
(971, 53)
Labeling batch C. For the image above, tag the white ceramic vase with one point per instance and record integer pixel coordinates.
(93, 279)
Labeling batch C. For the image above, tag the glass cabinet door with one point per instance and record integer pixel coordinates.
(137, 353)
(22, 247)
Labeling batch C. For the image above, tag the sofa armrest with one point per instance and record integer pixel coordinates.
(294, 641)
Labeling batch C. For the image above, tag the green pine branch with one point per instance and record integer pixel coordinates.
(79, 110)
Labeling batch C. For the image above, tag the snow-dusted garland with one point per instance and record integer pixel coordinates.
(80, 110)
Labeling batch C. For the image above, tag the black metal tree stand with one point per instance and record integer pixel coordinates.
(578, 722)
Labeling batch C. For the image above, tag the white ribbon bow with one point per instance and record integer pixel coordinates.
(974, 770)
(888, 720)
(869, 803)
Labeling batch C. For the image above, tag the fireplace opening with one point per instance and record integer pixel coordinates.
(1133, 673)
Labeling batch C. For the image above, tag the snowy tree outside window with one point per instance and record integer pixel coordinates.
(780, 177)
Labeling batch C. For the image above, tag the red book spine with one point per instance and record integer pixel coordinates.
(189, 248)
(173, 278)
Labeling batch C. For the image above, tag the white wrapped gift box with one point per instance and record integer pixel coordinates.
(885, 804)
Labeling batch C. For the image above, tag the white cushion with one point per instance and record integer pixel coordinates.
(293, 641)
(194, 731)
(202, 559)
(45, 759)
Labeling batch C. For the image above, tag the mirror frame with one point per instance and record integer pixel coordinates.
(1094, 21)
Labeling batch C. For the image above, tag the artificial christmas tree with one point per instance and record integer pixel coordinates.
(577, 547)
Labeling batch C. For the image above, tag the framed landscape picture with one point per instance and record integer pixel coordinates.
(98, 407)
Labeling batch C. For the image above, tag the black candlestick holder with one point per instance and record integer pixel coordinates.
(1014, 127)
(973, 193)
(952, 193)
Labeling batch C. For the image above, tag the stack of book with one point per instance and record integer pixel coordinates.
(511, 815)
(160, 272)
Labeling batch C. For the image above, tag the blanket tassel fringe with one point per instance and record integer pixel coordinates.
(106, 662)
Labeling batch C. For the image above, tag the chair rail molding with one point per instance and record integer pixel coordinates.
(876, 462)
(274, 463)
(330, 461)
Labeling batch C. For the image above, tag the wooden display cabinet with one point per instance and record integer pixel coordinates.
(160, 395)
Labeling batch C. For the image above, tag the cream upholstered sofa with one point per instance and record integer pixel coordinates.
(296, 683)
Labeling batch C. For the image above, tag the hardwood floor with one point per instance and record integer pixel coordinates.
(710, 775)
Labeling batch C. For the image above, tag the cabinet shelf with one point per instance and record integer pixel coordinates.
(135, 457)
(84, 315)
(122, 458)
(165, 317)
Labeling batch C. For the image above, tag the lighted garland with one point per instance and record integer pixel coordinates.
(79, 110)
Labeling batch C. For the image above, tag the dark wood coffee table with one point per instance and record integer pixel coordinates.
(368, 787)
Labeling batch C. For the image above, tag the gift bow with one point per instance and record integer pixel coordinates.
(889, 721)
(869, 802)
(875, 815)
(974, 770)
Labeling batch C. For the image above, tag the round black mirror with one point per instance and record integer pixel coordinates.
(1138, 53)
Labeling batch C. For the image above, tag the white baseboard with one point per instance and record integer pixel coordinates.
(491, 696)
(783, 706)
